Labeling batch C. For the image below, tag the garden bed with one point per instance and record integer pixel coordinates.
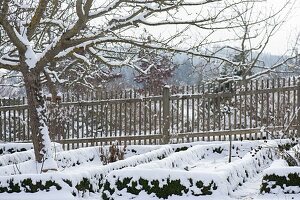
(176, 172)
(190, 169)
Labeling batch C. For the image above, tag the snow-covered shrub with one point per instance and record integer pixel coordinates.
(163, 183)
(16, 158)
(286, 148)
(77, 157)
(9, 148)
(283, 150)
(187, 157)
(283, 175)
(132, 150)
(280, 178)
(238, 172)
(30, 186)
(288, 184)
(71, 158)
(16, 155)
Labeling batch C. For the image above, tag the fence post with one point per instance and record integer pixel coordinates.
(166, 115)
(298, 107)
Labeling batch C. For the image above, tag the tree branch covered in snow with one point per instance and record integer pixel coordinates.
(84, 32)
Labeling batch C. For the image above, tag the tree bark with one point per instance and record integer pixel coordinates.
(38, 121)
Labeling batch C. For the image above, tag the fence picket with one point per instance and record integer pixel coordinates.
(235, 108)
(203, 110)
(250, 105)
(208, 110)
(289, 100)
(1, 124)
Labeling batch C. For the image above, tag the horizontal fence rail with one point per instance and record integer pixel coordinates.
(244, 110)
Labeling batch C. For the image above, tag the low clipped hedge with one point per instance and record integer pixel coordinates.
(281, 177)
(27, 185)
(10, 148)
(79, 183)
(172, 187)
(288, 184)
(177, 183)
(16, 158)
(41, 183)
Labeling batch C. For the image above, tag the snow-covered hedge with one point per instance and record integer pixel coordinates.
(76, 157)
(238, 172)
(184, 159)
(81, 156)
(9, 148)
(19, 162)
(170, 178)
(79, 181)
(280, 178)
(166, 170)
(16, 158)
(162, 183)
(133, 150)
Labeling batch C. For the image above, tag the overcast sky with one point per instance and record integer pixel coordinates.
(281, 42)
(284, 38)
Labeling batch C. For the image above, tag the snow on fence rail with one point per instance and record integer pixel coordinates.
(181, 114)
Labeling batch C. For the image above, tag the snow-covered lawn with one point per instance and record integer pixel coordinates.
(199, 170)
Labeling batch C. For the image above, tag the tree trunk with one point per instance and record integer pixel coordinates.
(38, 121)
(54, 121)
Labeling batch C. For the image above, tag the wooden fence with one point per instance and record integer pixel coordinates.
(179, 114)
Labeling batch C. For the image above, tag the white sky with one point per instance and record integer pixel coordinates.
(282, 42)
(284, 39)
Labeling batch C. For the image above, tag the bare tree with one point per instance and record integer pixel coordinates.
(253, 33)
(43, 39)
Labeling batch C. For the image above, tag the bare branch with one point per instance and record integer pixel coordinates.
(39, 12)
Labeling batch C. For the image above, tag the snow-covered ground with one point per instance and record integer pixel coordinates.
(82, 173)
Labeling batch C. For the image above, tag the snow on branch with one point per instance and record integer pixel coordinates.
(271, 69)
